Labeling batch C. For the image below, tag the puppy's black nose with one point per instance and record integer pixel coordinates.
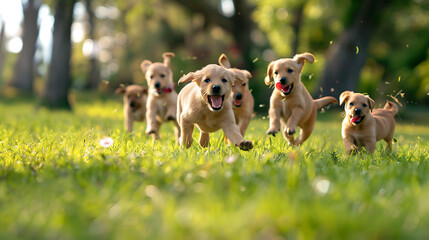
(132, 104)
(283, 81)
(157, 85)
(216, 88)
(238, 96)
(357, 111)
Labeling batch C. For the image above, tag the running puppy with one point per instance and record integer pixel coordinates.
(162, 98)
(135, 97)
(291, 105)
(363, 126)
(242, 99)
(206, 103)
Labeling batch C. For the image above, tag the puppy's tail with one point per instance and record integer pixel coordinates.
(392, 107)
(323, 101)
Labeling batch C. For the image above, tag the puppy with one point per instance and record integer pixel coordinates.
(206, 103)
(291, 105)
(242, 99)
(162, 98)
(363, 126)
(135, 97)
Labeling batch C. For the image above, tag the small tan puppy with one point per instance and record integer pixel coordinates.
(291, 105)
(242, 99)
(363, 126)
(162, 98)
(135, 97)
(206, 103)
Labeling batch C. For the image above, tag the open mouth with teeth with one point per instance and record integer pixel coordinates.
(215, 101)
(286, 90)
(356, 119)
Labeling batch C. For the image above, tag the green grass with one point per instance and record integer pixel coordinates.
(56, 182)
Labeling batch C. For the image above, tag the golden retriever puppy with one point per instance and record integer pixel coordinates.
(135, 97)
(291, 105)
(363, 126)
(242, 99)
(162, 98)
(206, 103)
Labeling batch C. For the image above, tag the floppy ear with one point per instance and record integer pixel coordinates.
(143, 90)
(247, 73)
(344, 97)
(167, 58)
(301, 58)
(192, 76)
(224, 61)
(120, 90)
(145, 65)
(269, 73)
(371, 103)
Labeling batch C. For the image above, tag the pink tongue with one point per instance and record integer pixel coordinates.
(237, 102)
(279, 86)
(216, 101)
(354, 119)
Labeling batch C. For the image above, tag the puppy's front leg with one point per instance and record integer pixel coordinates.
(293, 120)
(370, 146)
(232, 132)
(171, 112)
(151, 118)
(128, 123)
(204, 139)
(348, 145)
(186, 130)
(275, 115)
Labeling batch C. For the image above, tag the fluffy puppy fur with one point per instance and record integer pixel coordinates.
(242, 99)
(291, 105)
(135, 97)
(206, 103)
(363, 126)
(162, 98)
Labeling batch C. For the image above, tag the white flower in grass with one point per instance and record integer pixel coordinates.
(231, 159)
(321, 185)
(106, 142)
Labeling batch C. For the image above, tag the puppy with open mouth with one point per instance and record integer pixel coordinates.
(242, 99)
(162, 98)
(291, 105)
(363, 125)
(206, 103)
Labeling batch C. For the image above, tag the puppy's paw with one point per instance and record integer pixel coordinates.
(246, 145)
(171, 118)
(150, 131)
(272, 132)
(290, 131)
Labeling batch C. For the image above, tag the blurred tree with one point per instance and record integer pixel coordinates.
(348, 54)
(58, 83)
(93, 77)
(24, 67)
(239, 25)
(2, 41)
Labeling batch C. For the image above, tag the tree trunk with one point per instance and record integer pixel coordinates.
(348, 54)
(298, 15)
(93, 78)
(2, 41)
(24, 68)
(59, 80)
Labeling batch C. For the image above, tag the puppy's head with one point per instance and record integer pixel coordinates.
(159, 76)
(357, 106)
(134, 96)
(286, 72)
(215, 83)
(240, 84)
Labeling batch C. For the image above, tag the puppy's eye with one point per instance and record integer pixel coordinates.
(224, 80)
(151, 76)
(244, 84)
(290, 70)
(351, 104)
(364, 105)
(162, 75)
(275, 73)
(207, 80)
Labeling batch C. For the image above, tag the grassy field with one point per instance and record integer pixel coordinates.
(57, 182)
